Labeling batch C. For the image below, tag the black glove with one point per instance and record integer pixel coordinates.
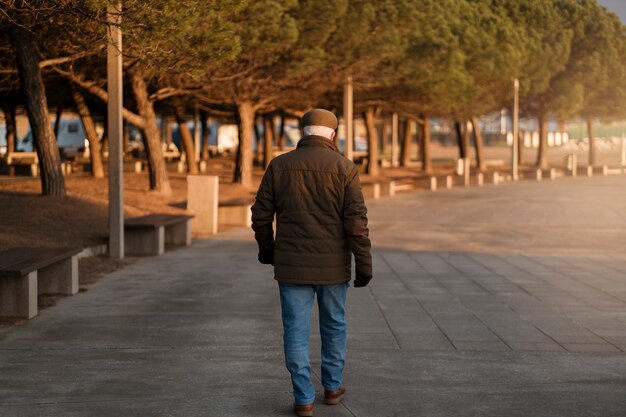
(361, 281)
(266, 257)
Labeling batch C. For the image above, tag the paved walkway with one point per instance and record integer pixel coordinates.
(500, 301)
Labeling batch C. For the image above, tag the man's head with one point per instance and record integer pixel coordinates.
(319, 122)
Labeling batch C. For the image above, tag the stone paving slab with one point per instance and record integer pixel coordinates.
(462, 319)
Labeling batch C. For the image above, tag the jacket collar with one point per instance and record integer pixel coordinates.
(318, 141)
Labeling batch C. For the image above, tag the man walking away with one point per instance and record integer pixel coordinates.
(321, 222)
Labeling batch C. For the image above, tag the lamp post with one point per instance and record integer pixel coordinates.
(116, 154)
(348, 119)
(514, 154)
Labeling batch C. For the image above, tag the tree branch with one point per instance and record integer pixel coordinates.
(215, 112)
(167, 92)
(101, 93)
(62, 60)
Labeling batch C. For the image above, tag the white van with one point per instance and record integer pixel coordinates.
(71, 138)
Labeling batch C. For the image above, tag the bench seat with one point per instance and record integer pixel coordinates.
(28, 272)
(29, 159)
(147, 235)
(235, 212)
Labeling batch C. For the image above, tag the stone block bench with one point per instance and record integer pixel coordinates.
(370, 189)
(616, 170)
(402, 184)
(28, 272)
(235, 212)
(29, 159)
(602, 170)
(441, 181)
(134, 166)
(376, 188)
(147, 235)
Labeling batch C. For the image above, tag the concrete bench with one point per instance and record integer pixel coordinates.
(28, 272)
(370, 189)
(435, 180)
(402, 184)
(426, 182)
(29, 159)
(531, 174)
(616, 170)
(386, 187)
(147, 235)
(376, 188)
(602, 170)
(235, 212)
(133, 165)
(399, 186)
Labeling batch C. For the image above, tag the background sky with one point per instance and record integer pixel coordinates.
(617, 6)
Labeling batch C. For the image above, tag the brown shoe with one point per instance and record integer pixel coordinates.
(334, 397)
(303, 410)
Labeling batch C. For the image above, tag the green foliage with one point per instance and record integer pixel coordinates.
(438, 57)
(181, 35)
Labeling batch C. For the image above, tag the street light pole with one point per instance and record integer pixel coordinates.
(515, 155)
(348, 119)
(116, 154)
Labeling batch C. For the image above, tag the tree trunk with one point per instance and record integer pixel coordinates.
(373, 153)
(426, 162)
(258, 155)
(281, 134)
(104, 142)
(466, 139)
(592, 143)
(9, 117)
(246, 138)
(97, 169)
(407, 141)
(168, 132)
(478, 145)
(186, 141)
(52, 181)
(460, 139)
(57, 120)
(126, 136)
(542, 158)
(417, 149)
(268, 134)
(159, 180)
(238, 164)
(204, 149)
(385, 129)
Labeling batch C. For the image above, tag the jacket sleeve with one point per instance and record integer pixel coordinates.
(355, 224)
(263, 211)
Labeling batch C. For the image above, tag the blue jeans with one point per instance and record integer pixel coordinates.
(296, 303)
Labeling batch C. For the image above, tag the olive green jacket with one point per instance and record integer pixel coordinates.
(321, 219)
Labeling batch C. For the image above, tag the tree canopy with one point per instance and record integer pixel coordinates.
(422, 58)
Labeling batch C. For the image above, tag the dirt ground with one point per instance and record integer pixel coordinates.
(81, 218)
